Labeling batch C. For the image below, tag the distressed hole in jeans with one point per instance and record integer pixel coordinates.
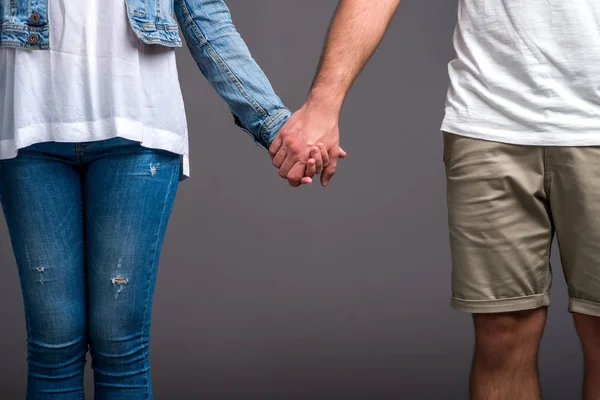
(153, 168)
(119, 282)
(40, 271)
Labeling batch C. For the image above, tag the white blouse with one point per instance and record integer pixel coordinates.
(98, 81)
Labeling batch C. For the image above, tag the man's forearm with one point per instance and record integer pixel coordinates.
(355, 32)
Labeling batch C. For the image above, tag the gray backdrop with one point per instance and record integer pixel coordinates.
(268, 292)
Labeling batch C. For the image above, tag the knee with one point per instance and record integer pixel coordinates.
(118, 340)
(504, 338)
(56, 328)
(57, 348)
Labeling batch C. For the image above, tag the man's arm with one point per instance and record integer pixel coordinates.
(355, 33)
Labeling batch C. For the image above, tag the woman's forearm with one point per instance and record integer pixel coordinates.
(224, 59)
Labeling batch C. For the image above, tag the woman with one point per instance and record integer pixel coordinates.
(93, 143)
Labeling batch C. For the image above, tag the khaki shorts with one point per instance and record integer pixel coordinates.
(505, 202)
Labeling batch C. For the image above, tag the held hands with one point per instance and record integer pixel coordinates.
(306, 145)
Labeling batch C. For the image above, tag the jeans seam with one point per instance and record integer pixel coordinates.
(83, 235)
(28, 337)
(154, 255)
(78, 153)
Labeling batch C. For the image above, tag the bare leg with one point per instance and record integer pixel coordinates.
(505, 365)
(588, 329)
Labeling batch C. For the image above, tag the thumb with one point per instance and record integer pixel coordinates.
(343, 153)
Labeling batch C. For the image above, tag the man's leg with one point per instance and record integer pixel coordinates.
(500, 235)
(588, 329)
(575, 201)
(506, 353)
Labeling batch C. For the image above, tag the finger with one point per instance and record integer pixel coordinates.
(279, 157)
(286, 167)
(324, 154)
(343, 154)
(316, 156)
(296, 174)
(327, 174)
(329, 171)
(275, 145)
(311, 170)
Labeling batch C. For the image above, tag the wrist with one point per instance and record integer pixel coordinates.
(329, 103)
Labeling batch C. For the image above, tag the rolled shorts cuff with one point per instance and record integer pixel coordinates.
(511, 304)
(584, 307)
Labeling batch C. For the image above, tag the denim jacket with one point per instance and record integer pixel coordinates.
(211, 37)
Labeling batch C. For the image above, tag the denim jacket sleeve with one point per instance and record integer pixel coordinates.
(226, 62)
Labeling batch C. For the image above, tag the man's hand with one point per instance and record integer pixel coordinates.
(306, 145)
(354, 34)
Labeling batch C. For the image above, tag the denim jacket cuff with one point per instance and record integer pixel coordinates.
(271, 127)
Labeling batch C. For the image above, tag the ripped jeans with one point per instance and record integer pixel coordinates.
(87, 222)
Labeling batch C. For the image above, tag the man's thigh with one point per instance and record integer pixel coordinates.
(575, 203)
(500, 225)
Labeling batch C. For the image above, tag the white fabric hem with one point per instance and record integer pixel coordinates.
(79, 132)
(571, 138)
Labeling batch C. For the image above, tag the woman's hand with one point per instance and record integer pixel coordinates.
(319, 159)
(295, 143)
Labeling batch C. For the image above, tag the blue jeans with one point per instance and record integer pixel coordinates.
(87, 222)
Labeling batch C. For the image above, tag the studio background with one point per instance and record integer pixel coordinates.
(273, 293)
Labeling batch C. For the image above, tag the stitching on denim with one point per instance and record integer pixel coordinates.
(12, 43)
(82, 216)
(9, 26)
(223, 67)
(161, 228)
(151, 40)
(144, 9)
(151, 26)
(270, 121)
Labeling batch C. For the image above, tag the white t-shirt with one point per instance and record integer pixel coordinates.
(97, 82)
(526, 72)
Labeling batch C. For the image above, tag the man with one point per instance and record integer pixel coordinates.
(522, 151)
